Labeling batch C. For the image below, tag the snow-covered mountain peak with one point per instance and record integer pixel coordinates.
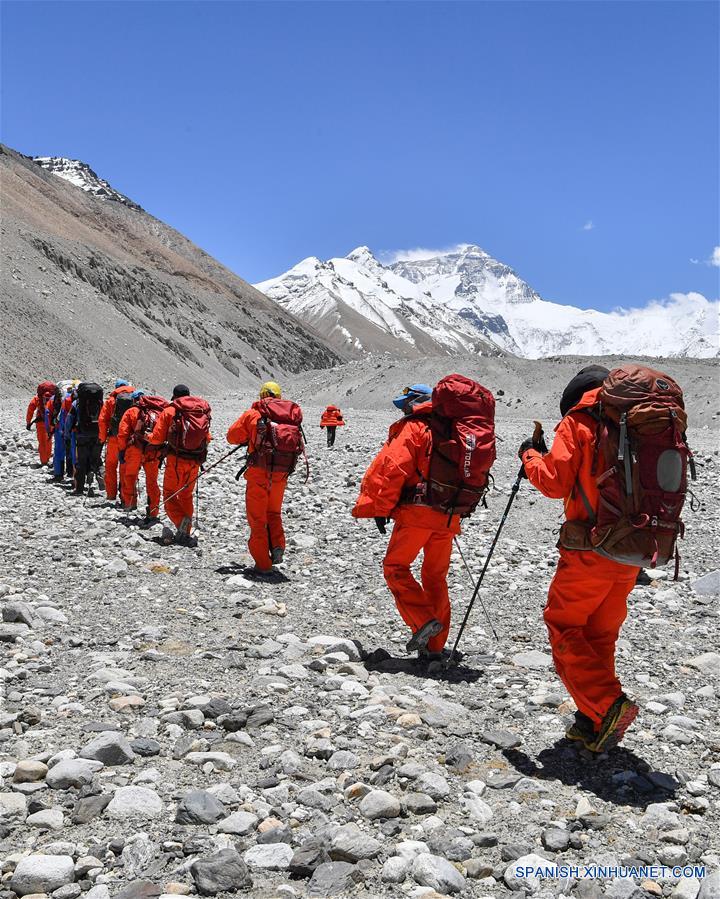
(81, 175)
(477, 274)
(362, 255)
(463, 299)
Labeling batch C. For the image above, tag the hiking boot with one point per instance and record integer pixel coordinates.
(167, 536)
(643, 579)
(181, 539)
(277, 555)
(582, 730)
(421, 637)
(618, 718)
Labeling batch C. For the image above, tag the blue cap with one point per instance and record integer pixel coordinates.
(412, 394)
(121, 383)
(136, 393)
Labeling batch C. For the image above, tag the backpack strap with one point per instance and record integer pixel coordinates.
(585, 501)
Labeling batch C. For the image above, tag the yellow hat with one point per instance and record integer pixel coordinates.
(270, 388)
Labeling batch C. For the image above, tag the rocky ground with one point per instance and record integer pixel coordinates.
(170, 727)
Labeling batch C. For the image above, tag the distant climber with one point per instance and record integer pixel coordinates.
(109, 424)
(134, 433)
(35, 415)
(83, 423)
(55, 414)
(331, 419)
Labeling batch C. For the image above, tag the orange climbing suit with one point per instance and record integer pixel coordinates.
(331, 418)
(137, 456)
(112, 450)
(401, 463)
(587, 599)
(179, 472)
(43, 438)
(264, 494)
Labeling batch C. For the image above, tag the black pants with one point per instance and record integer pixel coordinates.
(331, 435)
(88, 460)
(68, 459)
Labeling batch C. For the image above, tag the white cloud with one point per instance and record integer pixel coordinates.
(715, 258)
(417, 254)
(589, 225)
(694, 261)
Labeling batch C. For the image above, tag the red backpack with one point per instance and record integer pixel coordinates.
(462, 424)
(149, 408)
(280, 440)
(189, 431)
(641, 463)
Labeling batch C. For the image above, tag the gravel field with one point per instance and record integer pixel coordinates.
(168, 726)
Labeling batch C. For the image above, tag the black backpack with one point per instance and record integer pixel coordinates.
(123, 402)
(89, 404)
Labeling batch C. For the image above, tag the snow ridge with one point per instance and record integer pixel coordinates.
(463, 300)
(81, 175)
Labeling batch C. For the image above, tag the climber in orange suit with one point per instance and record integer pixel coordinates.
(331, 419)
(180, 472)
(134, 454)
(107, 432)
(36, 415)
(587, 599)
(402, 463)
(264, 490)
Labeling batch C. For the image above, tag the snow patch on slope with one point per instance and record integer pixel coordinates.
(81, 175)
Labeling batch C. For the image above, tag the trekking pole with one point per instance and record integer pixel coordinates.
(472, 581)
(513, 494)
(539, 441)
(197, 503)
(192, 483)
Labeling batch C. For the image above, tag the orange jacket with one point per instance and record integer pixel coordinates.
(106, 413)
(332, 417)
(570, 460)
(162, 426)
(127, 427)
(243, 432)
(403, 461)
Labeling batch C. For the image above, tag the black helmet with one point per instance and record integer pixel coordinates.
(587, 378)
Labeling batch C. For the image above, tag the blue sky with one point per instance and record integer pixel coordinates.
(576, 141)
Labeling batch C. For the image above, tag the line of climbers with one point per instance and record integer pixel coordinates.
(74, 421)
(619, 461)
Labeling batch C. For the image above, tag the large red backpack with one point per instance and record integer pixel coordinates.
(640, 465)
(189, 430)
(280, 441)
(462, 425)
(149, 408)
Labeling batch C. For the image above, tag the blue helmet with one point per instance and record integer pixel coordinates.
(121, 382)
(416, 393)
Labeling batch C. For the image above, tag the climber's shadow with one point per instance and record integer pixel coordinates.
(620, 776)
(381, 660)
